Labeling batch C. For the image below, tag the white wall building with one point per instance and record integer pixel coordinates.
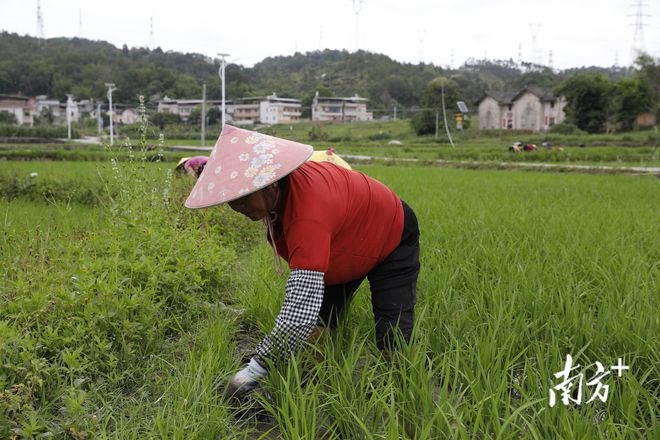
(247, 111)
(337, 109)
(276, 110)
(183, 107)
(20, 106)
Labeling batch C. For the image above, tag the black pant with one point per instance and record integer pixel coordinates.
(393, 288)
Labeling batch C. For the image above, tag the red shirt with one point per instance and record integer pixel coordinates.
(338, 221)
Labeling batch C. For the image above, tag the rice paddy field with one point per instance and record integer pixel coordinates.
(122, 314)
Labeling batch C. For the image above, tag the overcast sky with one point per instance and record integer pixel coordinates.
(576, 32)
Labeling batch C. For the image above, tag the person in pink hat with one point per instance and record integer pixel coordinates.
(334, 226)
(192, 165)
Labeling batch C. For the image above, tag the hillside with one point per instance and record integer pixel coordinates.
(58, 66)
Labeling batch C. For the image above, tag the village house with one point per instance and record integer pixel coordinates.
(21, 107)
(268, 110)
(276, 110)
(246, 111)
(337, 109)
(184, 107)
(531, 109)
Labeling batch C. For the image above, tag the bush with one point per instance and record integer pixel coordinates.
(7, 118)
(565, 128)
(37, 132)
(317, 134)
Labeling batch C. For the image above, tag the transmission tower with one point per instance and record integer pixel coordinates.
(80, 26)
(357, 6)
(451, 59)
(535, 28)
(152, 40)
(321, 38)
(40, 21)
(550, 59)
(421, 35)
(520, 54)
(638, 46)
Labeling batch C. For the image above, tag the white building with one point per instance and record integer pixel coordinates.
(183, 107)
(276, 110)
(42, 105)
(128, 116)
(531, 109)
(340, 109)
(247, 111)
(21, 107)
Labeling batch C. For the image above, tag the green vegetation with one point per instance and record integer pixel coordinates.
(121, 312)
(51, 132)
(373, 139)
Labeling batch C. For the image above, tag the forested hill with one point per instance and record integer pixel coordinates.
(58, 66)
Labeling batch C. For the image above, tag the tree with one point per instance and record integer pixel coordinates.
(632, 96)
(7, 118)
(213, 115)
(587, 101)
(649, 73)
(424, 121)
(195, 117)
(163, 119)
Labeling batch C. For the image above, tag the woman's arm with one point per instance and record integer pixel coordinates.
(297, 317)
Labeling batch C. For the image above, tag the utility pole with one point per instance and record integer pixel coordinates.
(222, 79)
(111, 88)
(395, 112)
(203, 114)
(69, 105)
(444, 115)
(99, 119)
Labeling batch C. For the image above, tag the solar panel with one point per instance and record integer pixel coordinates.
(462, 107)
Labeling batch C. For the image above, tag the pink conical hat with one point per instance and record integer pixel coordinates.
(243, 162)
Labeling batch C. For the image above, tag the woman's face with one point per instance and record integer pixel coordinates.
(256, 205)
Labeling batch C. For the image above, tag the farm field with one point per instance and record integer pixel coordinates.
(639, 149)
(122, 314)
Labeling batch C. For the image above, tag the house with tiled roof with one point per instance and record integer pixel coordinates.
(532, 108)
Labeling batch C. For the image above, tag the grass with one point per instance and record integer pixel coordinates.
(519, 269)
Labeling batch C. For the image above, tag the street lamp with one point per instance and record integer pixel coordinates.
(111, 88)
(222, 78)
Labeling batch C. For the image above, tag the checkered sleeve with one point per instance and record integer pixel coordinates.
(297, 317)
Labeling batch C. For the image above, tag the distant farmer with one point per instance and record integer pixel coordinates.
(515, 148)
(192, 165)
(329, 155)
(334, 226)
